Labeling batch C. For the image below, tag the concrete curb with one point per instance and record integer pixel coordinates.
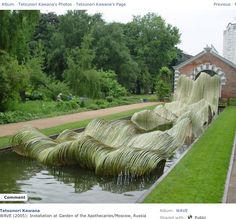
(227, 182)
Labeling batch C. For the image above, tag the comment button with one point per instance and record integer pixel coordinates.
(13, 197)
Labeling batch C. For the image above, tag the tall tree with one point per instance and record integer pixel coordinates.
(14, 78)
(181, 57)
(62, 33)
(16, 31)
(83, 80)
(5, 30)
(152, 43)
(113, 54)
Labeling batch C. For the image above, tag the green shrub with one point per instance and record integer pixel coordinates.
(67, 105)
(109, 99)
(163, 83)
(110, 85)
(100, 102)
(152, 99)
(53, 87)
(163, 89)
(105, 105)
(16, 116)
(82, 103)
(34, 95)
(124, 98)
(93, 106)
(42, 86)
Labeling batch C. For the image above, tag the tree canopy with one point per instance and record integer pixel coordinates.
(73, 50)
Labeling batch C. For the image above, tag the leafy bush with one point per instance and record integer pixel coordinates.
(67, 105)
(43, 86)
(163, 83)
(83, 82)
(100, 102)
(162, 89)
(16, 116)
(152, 99)
(31, 94)
(93, 106)
(37, 109)
(53, 87)
(82, 103)
(110, 85)
(109, 99)
(104, 105)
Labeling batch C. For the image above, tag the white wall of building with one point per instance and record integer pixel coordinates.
(229, 44)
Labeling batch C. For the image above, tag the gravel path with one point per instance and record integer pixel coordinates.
(10, 129)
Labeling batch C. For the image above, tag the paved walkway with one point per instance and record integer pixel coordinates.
(10, 129)
(231, 193)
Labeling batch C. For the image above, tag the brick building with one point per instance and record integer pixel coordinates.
(211, 62)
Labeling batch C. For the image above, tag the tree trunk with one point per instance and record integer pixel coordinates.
(138, 87)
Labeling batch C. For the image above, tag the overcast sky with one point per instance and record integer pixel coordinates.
(200, 23)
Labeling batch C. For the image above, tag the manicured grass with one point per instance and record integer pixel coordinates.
(5, 141)
(200, 176)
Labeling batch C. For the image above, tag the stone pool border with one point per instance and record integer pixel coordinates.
(230, 171)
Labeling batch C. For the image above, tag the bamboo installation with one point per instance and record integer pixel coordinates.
(132, 147)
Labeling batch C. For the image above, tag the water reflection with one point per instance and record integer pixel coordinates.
(72, 184)
(67, 184)
(14, 168)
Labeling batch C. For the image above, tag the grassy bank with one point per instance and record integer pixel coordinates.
(200, 176)
(5, 141)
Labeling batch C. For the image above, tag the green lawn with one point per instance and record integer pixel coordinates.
(200, 176)
(5, 141)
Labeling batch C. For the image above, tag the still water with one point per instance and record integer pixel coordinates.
(66, 184)
(72, 184)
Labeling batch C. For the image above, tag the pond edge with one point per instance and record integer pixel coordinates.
(227, 182)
